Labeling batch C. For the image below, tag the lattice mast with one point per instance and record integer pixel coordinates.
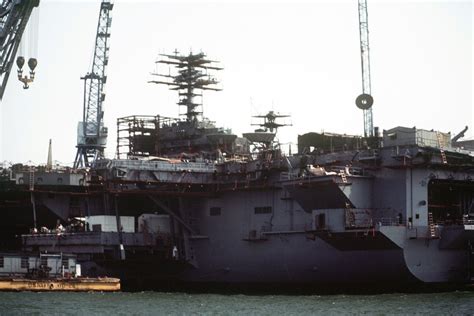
(269, 121)
(365, 100)
(92, 134)
(14, 16)
(191, 75)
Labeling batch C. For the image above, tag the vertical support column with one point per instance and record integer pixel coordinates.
(173, 232)
(177, 222)
(183, 232)
(33, 203)
(409, 196)
(32, 195)
(470, 262)
(119, 229)
(292, 215)
(88, 213)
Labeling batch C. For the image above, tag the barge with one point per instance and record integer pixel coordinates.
(49, 272)
(61, 284)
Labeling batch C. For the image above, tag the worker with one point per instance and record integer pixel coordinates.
(175, 253)
(400, 218)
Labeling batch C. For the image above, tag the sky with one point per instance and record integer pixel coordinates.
(298, 58)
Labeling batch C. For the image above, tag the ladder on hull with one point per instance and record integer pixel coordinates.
(441, 150)
(32, 178)
(343, 176)
(431, 225)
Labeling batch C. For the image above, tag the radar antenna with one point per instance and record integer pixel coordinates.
(263, 139)
(192, 74)
(269, 121)
(91, 133)
(365, 100)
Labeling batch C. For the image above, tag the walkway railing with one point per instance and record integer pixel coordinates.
(208, 167)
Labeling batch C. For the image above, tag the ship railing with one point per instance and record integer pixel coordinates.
(390, 221)
(95, 238)
(454, 221)
(357, 218)
(371, 154)
(52, 233)
(206, 167)
(266, 229)
(468, 221)
(284, 176)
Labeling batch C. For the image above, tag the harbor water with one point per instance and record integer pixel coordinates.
(155, 303)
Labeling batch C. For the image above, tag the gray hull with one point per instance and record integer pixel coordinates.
(293, 258)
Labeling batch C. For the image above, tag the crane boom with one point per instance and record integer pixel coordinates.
(14, 15)
(92, 135)
(365, 100)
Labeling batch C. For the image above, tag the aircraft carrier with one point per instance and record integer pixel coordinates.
(187, 202)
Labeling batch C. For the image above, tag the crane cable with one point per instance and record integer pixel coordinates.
(29, 40)
(29, 46)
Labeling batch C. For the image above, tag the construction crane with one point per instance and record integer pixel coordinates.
(14, 16)
(365, 100)
(91, 132)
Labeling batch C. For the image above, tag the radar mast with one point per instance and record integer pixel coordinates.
(269, 121)
(191, 76)
(263, 138)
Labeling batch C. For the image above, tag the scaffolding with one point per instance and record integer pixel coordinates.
(139, 135)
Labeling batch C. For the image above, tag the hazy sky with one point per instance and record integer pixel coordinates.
(300, 58)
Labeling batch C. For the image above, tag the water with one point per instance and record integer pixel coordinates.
(155, 303)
